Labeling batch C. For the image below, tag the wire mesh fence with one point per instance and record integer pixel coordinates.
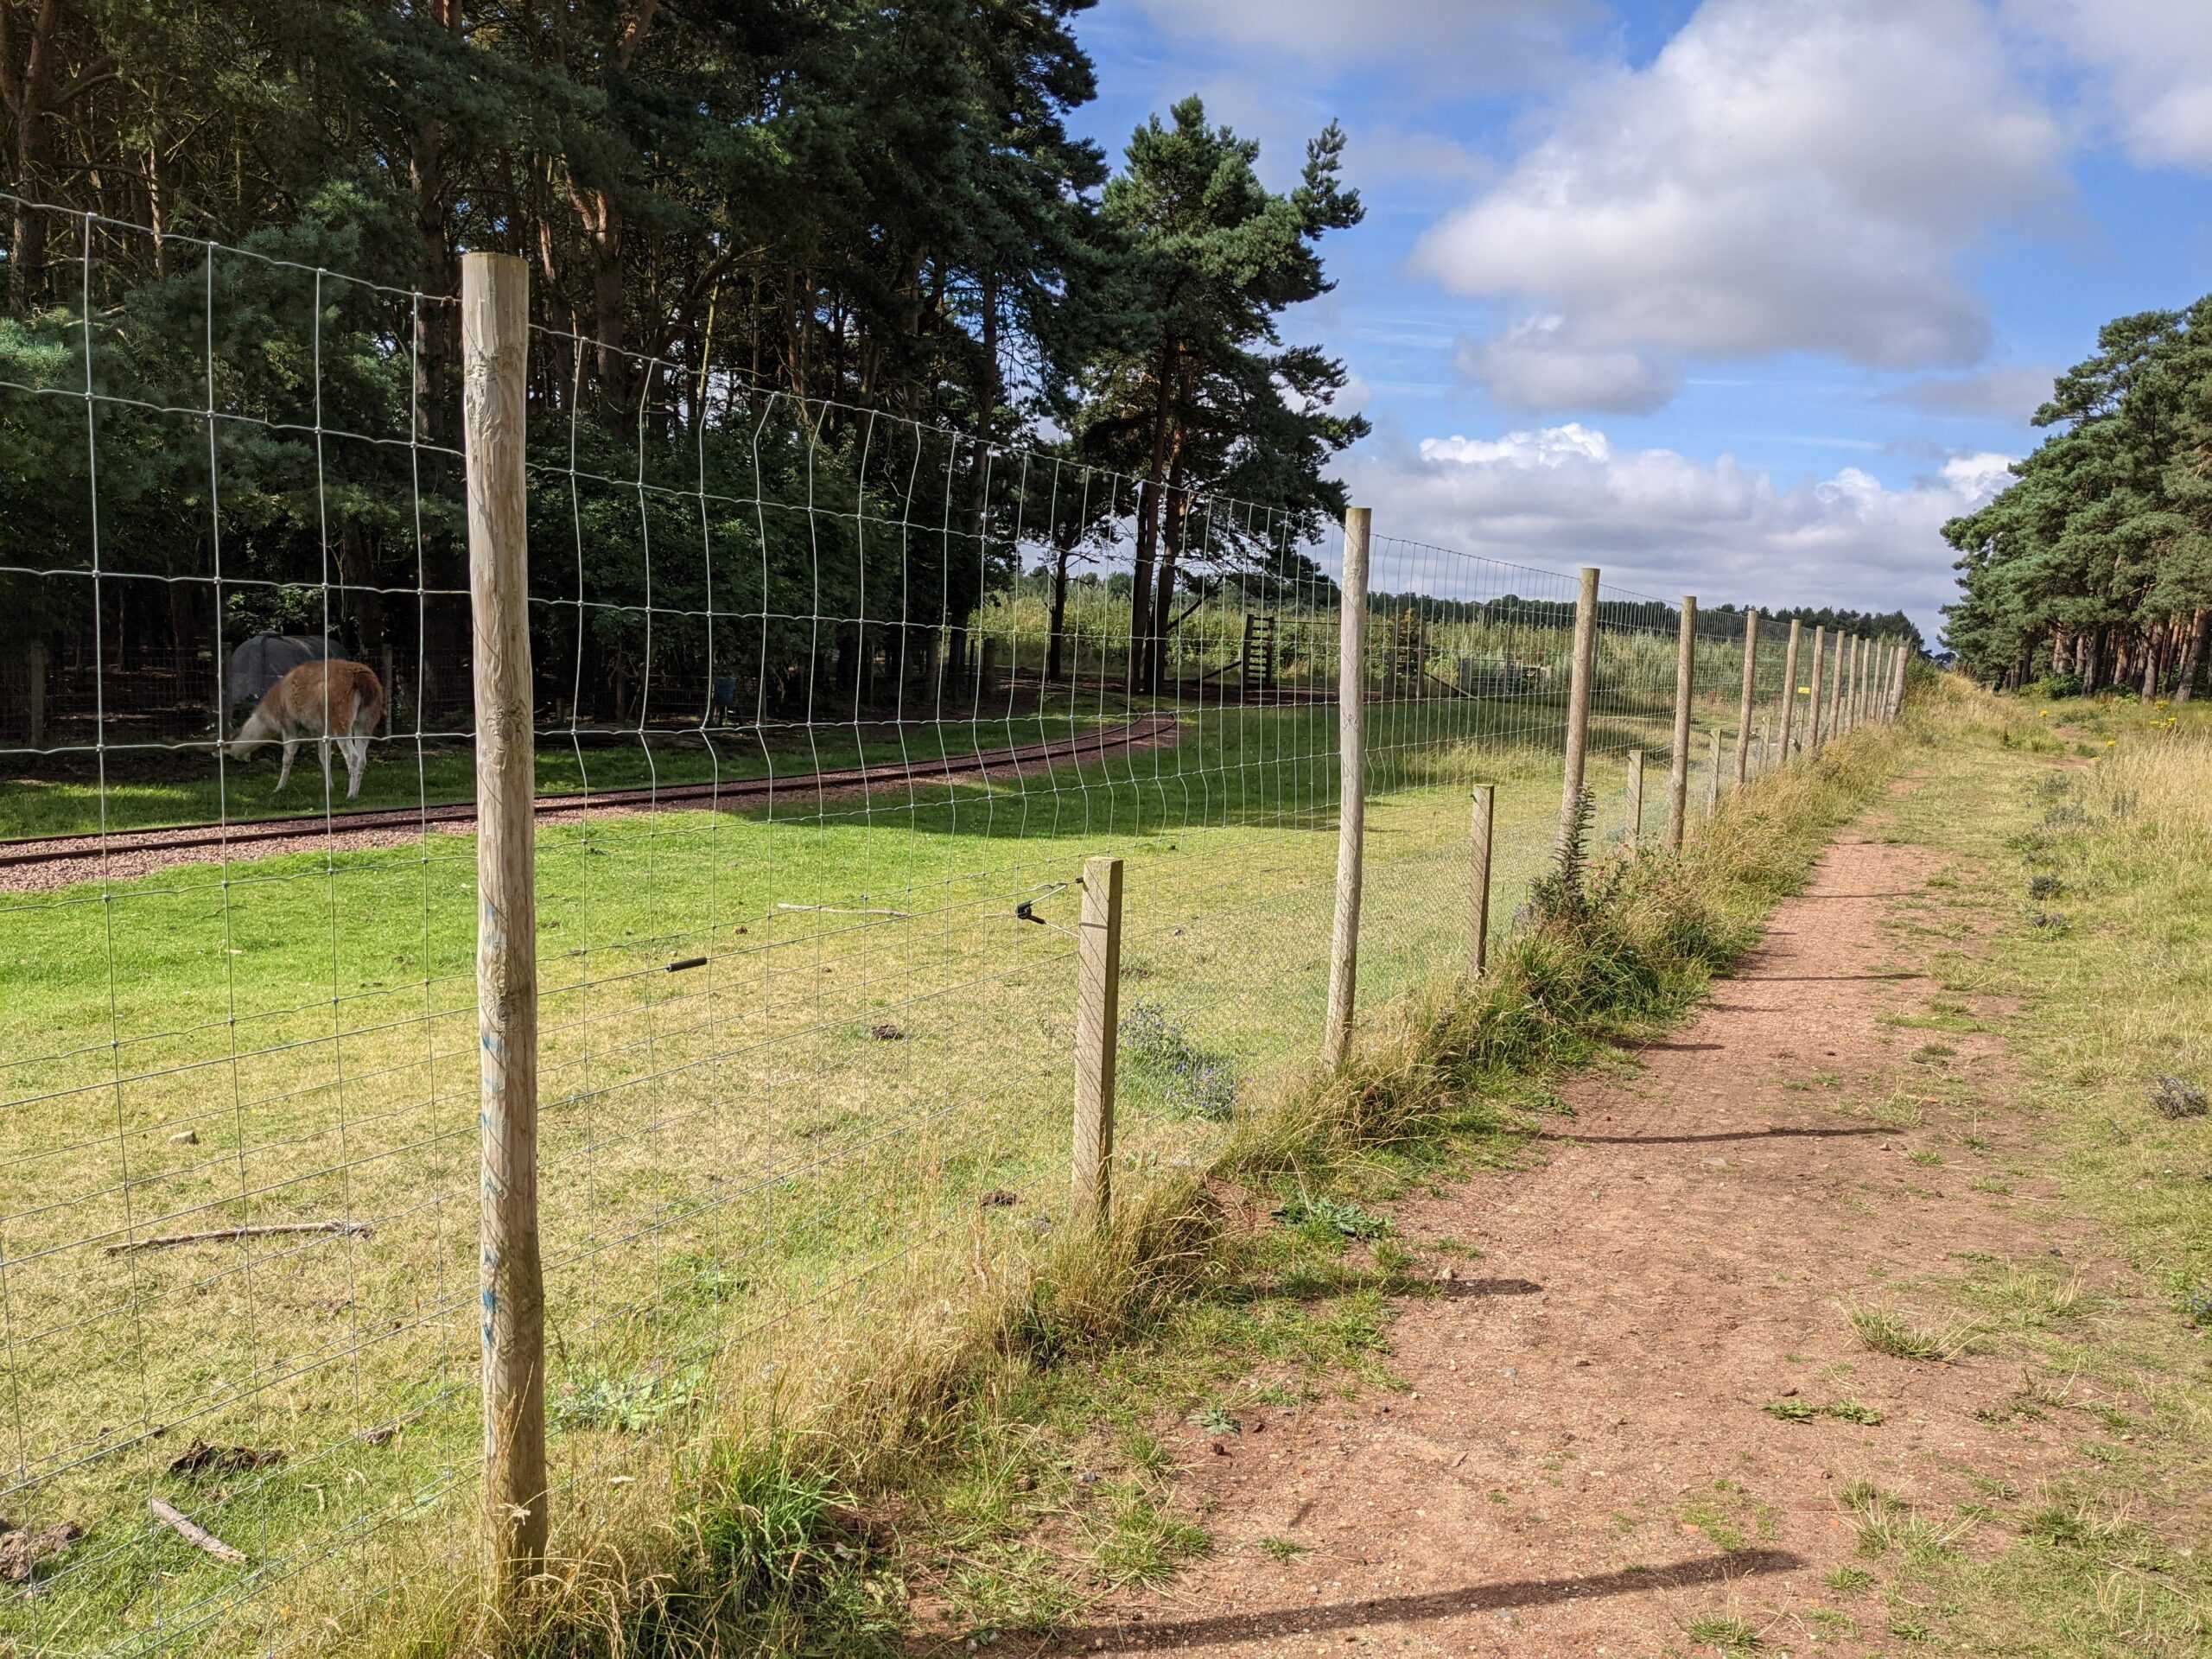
(830, 705)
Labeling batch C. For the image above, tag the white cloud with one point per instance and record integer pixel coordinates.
(1786, 175)
(2005, 392)
(1536, 366)
(1492, 43)
(1659, 522)
(2152, 67)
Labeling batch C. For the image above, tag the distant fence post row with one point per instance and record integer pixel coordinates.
(494, 336)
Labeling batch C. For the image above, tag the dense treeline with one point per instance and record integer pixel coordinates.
(2094, 568)
(809, 251)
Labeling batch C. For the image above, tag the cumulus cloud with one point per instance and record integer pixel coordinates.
(1535, 366)
(2007, 392)
(1657, 522)
(1785, 176)
(2151, 63)
(1496, 43)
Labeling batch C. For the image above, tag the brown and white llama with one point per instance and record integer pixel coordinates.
(325, 703)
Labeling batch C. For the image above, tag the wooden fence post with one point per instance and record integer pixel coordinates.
(390, 694)
(1751, 677)
(1098, 1036)
(1896, 685)
(1636, 798)
(1678, 769)
(1789, 687)
(495, 343)
(1835, 688)
(1351, 769)
(1485, 813)
(1578, 703)
(34, 666)
(1813, 714)
(1712, 779)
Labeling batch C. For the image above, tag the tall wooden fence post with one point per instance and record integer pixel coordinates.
(1485, 818)
(1351, 767)
(1813, 714)
(1750, 677)
(1896, 685)
(1835, 690)
(495, 342)
(1789, 687)
(34, 666)
(1713, 777)
(1578, 703)
(1636, 798)
(1678, 770)
(1098, 1036)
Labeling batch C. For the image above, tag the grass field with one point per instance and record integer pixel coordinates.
(866, 1071)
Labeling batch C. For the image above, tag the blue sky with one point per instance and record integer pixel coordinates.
(1737, 297)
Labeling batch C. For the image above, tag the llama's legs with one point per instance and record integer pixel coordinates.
(357, 762)
(322, 750)
(284, 771)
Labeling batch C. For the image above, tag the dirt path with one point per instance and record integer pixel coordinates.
(1582, 1462)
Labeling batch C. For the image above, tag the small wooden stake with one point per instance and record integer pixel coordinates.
(1750, 677)
(1578, 703)
(1351, 810)
(1479, 877)
(495, 342)
(1678, 762)
(1097, 1035)
(1636, 798)
(1713, 777)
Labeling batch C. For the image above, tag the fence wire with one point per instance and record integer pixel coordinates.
(830, 705)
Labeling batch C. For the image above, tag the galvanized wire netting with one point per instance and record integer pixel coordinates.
(830, 705)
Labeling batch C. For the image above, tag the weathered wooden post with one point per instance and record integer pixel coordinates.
(34, 666)
(1578, 703)
(1098, 1036)
(1713, 777)
(1486, 814)
(495, 343)
(1789, 687)
(1678, 769)
(390, 692)
(1636, 798)
(1835, 689)
(1813, 714)
(1751, 676)
(1351, 770)
(1897, 685)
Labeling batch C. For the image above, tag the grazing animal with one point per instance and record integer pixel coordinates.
(329, 701)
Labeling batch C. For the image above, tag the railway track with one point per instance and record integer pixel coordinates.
(151, 848)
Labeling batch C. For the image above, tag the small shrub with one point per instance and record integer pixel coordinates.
(2177, 1097)
(1326, 1217)
(2044, 886)
(631, 1404)
(1205, 1083)
(2064, 683)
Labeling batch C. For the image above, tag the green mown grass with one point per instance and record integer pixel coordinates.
(759, 1174)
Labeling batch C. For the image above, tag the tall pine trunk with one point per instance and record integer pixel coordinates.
(2193, 655)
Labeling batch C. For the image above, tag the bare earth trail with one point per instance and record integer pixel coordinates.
(1580, 1462)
